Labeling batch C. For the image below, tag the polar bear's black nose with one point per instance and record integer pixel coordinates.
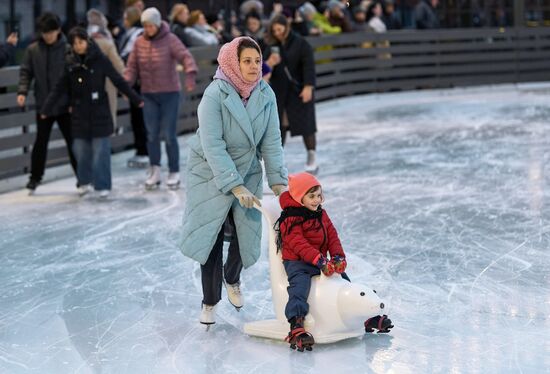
(362, 294)
(382, 305)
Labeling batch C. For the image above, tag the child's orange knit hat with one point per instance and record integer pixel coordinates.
(299, 184)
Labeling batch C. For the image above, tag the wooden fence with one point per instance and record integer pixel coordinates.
(346, 64)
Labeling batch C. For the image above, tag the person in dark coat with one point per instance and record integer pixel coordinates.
(293, 80)
(43, 65)
(425, 14)
(92, 124)
(8, 50)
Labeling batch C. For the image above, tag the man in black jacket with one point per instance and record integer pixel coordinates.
(43, 62)
(7, 50)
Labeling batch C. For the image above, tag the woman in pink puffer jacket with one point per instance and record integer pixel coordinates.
(153, 61)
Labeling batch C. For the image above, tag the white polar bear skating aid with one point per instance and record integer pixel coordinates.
(337, 308)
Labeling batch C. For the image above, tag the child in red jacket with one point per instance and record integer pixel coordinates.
(307, 238)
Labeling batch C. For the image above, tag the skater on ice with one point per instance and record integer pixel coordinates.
(307, 238)
(92, 124)
(238, 127)
(42, 65)
(153, 61)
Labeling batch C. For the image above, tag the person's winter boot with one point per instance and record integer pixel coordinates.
(153, 178)
(298, 337)
(380, 323)
(173, 181)
(234, 294)
(207, 315)
(31, 185)
(311, 164)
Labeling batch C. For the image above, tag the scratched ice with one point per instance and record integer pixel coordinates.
(441, 199)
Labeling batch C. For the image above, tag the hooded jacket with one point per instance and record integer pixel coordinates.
(304, 241)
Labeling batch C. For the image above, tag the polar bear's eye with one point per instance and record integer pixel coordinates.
(362, 294)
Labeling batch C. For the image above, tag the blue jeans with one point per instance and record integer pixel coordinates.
(93, 162)
(299, 275)
(160, 114)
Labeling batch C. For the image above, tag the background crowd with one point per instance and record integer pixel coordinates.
(145, 47)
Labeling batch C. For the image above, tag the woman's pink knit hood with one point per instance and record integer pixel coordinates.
(228, 59)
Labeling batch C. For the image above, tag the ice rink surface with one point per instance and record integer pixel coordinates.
(441, 199)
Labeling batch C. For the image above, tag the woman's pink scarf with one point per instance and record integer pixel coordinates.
(228, 59)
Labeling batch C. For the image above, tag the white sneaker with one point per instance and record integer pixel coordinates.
(207, 314)
(84, 189)
(234, 294)
(153, 178)
(173, 181)
(104, 193)
(311, 164)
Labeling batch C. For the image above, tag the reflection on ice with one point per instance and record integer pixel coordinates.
(440, 201)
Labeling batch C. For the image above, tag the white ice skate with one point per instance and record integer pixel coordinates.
(173, 181)
(138, 162)
(153, 178)
(207, 315)
(311, 164)
(104, 194)
(234, 294)
(338, 309)
(84, 189)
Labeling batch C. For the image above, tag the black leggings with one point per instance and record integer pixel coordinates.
(214, 271)
(309, 140)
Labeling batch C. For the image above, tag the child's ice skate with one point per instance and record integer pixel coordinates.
(298, 337)
(138, 162)
(381, 323)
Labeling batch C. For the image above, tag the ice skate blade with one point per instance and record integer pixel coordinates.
(152, 187)
(31, 192)
(173, 187)
(207, 325)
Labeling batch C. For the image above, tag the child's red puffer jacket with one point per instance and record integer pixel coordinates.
(306, 241)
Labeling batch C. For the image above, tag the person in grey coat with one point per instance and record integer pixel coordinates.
(238, 127)
(43, 65)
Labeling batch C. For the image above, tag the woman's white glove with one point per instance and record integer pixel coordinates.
(278, 189)
(245, 197)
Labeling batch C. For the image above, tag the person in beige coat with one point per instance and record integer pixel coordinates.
(98, 31)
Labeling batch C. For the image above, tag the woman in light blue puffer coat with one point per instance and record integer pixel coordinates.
(238, 127)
